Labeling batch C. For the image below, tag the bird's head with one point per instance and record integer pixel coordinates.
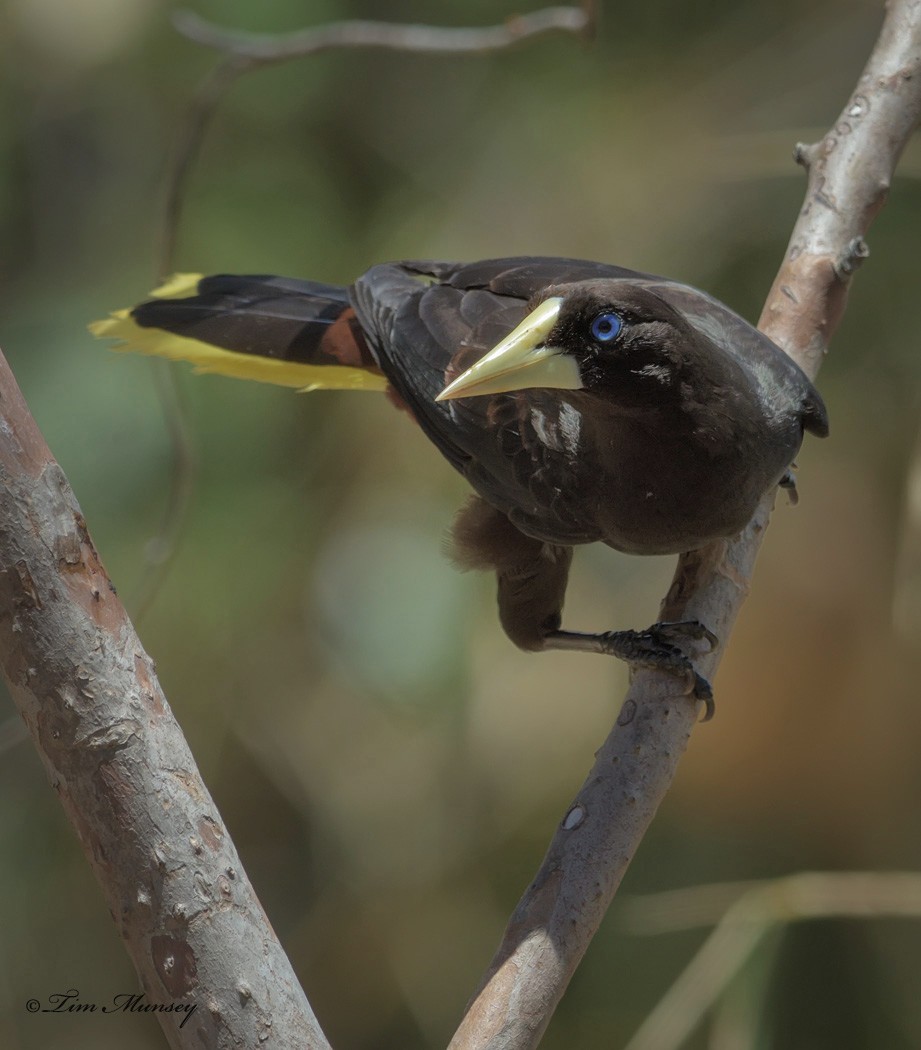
(613, 338)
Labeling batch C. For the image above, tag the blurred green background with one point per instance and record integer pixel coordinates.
(390, 766)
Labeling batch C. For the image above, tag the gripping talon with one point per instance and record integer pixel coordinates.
(653, 648)
(693, 629)
(704, 691)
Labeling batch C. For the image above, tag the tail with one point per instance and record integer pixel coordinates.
(271, 329)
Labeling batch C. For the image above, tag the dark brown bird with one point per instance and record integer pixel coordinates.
(583, 402)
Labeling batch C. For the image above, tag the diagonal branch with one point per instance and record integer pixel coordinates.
(199, 939)
(849, 175)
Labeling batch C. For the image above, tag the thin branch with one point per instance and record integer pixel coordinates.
(724, 953)
(906, 576)
(683, 909)
(161, 548)
(745, 924)
(188, 144)
(199, 939)
(264, 49)
(245, 52)
(850, 172)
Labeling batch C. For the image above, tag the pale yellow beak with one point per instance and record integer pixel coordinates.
(521, 361)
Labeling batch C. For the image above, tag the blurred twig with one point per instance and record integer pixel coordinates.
(850, 171)
(245, 52)
(12, 732)
(744, 925)
(162, 547)
(265, 48)
(684, 909)
(906, 596)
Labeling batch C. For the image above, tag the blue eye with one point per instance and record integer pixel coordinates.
(606, 327)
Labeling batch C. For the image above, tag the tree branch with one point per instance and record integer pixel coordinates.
(118, 761)
(754, 913)
(244, 52)
(265, 48)
(849, 174)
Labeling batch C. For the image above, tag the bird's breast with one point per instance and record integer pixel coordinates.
(559, 431)
(641, 484)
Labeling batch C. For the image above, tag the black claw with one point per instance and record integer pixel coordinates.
(704, 691)
(653, 648)
(680, 629)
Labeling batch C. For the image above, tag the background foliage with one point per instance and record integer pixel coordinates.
(390, 767)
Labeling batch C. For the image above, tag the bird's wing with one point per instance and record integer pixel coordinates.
(429, 321)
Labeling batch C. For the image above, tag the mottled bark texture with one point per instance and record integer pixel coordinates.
(849, 175)
(124, 773)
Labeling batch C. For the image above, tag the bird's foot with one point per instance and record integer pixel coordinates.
(655, 647)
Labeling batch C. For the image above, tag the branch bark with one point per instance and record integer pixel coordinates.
(849, 175)
(119, 763)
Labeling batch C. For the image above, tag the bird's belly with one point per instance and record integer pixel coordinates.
(651, 524)
(655, 511)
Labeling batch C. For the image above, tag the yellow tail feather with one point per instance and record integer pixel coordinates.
(206, 358)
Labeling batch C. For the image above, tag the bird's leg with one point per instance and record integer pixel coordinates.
(531, 574)
(532, 578)
(655, 647)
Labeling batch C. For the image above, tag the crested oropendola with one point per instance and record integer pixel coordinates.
(583, 402)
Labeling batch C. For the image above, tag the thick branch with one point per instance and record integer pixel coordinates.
(119, 763)
(559, 913)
